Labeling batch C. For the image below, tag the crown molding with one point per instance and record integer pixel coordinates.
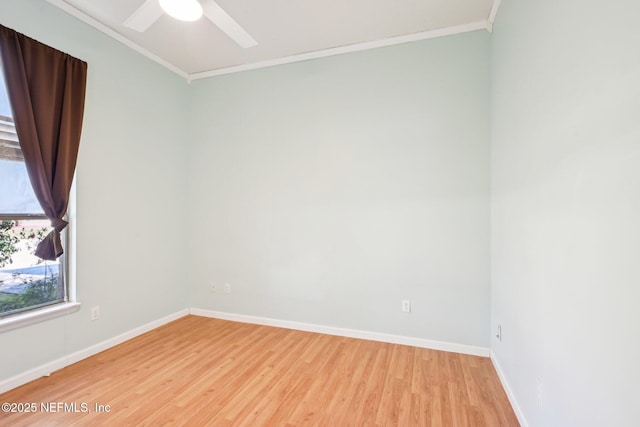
(424, 35)
(492, 15)
(77, 13)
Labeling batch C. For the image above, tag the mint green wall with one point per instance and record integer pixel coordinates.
(330, 190)
(566, 208)
(130, 191)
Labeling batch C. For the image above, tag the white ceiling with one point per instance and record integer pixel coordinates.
(286, 30)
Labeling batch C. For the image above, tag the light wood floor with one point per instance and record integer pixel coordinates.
(207, 372)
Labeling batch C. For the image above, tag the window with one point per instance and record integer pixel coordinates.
(26, 282)
(47, 92)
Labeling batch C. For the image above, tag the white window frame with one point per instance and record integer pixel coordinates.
(71, 305)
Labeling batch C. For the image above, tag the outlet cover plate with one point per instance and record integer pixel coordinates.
(406, 306)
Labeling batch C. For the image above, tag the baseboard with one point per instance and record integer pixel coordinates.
(55, 365)
(342, 332)
(48, 368)
(512, 398)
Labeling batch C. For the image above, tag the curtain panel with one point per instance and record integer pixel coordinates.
(46, 91)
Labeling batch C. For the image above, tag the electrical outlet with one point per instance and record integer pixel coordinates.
(499, 333)
(406, 306)
(227, 288)
(95, 312)
(213, 288)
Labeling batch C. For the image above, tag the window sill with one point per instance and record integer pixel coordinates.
(35, 316)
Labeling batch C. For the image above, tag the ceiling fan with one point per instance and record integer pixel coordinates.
(189, 10)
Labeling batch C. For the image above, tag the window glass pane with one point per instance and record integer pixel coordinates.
(26, 281)
(5, 109)
(16, 194)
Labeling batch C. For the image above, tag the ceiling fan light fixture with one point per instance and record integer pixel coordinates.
(183, 10)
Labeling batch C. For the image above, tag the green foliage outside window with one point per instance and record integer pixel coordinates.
(37, 292)
(8, 241)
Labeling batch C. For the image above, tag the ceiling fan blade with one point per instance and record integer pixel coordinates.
(144, 16)
(227, 24)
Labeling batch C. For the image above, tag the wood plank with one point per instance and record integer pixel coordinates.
(200, 371)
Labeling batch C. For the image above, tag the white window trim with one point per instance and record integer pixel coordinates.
(62, 308)
(38, 315)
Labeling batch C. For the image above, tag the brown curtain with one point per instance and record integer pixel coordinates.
(46, 90)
